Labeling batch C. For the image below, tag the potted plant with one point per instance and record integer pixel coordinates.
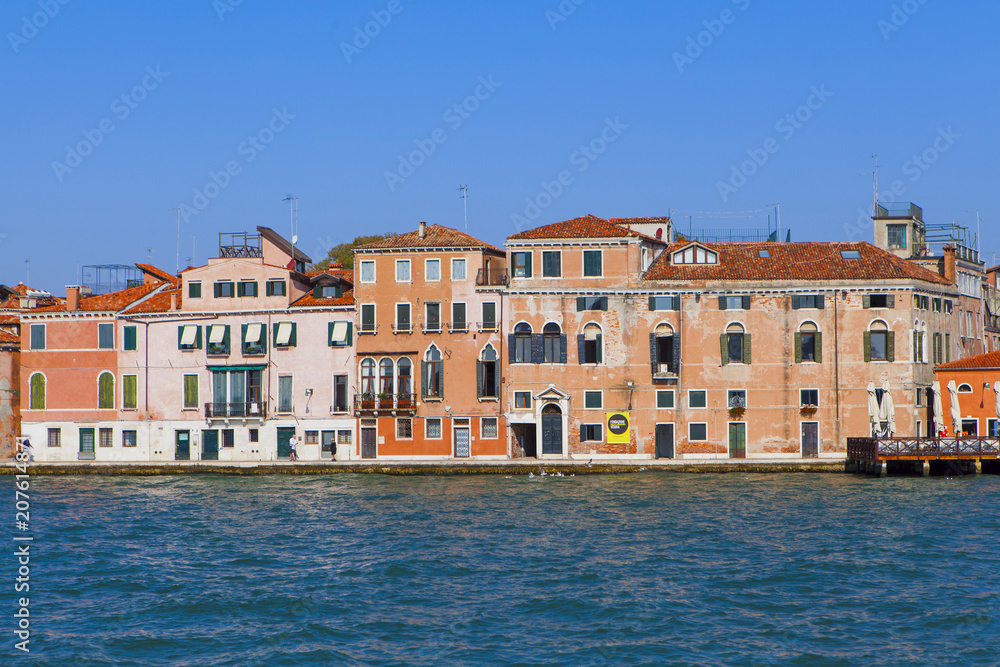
(403, 400)
(736, 413)
(385, 401)
(808, 410)
(368, 401)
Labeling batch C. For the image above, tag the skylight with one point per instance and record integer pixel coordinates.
(850, 254)
(764, 253)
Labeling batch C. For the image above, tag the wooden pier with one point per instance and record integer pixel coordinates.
(923, 456)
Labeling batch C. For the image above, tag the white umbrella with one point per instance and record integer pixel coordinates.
(872, 407)
(888, 411)
(996, 394)
(956, 412)
(938, 407)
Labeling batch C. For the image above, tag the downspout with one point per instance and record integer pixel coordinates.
(501, 400)
(836, 360)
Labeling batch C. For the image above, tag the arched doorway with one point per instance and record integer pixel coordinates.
(552, 435)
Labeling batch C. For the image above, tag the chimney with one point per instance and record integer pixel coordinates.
(422, 232)
(173, 300)
(659, 233)
(950, 274)
(72, 298)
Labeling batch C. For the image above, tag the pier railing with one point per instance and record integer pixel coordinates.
(874, 449)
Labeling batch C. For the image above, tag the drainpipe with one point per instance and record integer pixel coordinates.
(836, 360)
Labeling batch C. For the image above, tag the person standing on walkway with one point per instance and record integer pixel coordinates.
(293, 454)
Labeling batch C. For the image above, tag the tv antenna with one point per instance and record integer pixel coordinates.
(464, 189)
(976, 211)
(178, 269)
(874, 174)
(293, 212)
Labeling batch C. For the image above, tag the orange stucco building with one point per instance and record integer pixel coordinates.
(976, 380)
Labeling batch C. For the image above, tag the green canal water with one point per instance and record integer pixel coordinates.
(657, 569)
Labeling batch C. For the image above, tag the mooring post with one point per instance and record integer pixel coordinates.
(883, 470)
(926, 469)
(977, 467)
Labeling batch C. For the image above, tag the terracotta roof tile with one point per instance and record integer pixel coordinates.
(9, 339)
(587, 227)
(112, 301)
(346, 299)
(158, 303)
(159, 274)
(990, 360)
(791, 261)
(338, 271)
(436, 237)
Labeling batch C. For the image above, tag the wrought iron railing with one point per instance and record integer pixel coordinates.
(385, 402)
(872, 449)
(237, 410)
(491, 278)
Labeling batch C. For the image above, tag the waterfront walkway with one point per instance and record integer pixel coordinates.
(923, 456)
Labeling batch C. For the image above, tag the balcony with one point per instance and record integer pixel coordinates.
(385, 404)
(236, 410)
(432, 328)
(487, 326)
(665, 372)
(491, 278)
(905, 210)
(458, 327)
(402, 328)
(369, 330)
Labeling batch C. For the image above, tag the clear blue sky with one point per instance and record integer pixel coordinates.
(920, 81)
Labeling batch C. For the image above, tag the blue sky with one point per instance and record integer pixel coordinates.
(641, 108)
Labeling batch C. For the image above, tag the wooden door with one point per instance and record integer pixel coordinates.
(737, 441)
(182, 445)
(369, 449)
(664, 441)
(810, 440)
(86, 444)
(284, 435)
(210, 445)
(552, 433)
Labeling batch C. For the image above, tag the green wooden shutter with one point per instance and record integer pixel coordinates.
(479, 378)
(581, 348)
(600, 345)
(821, 301)
(243, 336)
(724, 344)
(652, 303)
(795, 302)
(746, 303)
(105, 392)
(423, 379)
(130, 338)
(180, 336)
(868, 346)
(562, 349)
(890, 301)
(798, 346)
(746, 347)
(329, 334)
(129, 392)
(496, 379)
(37, 392)
(225, 339)
(819, 347)
(441, 378)
(947, 347)
(581, 303)
(722, 303)
(350, 333)
(604, 303)
(675, 302)
(866, 301)
(197, 338)
(653, 352)
(890, 347)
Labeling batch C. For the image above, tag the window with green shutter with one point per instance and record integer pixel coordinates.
(106, 336)
(130, 391)
(593, 264)
(190, 392)
(106, 391)
(194, 290)
(37, 336)
(37, 401)
(129, 338)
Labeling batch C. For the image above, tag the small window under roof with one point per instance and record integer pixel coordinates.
(850, 254)
(764, 252)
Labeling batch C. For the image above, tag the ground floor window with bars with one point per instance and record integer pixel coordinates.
(105, 437)
(129, 438)
(404, 428)
(55, 437)
(432, 427)
(312, 437)
(490, 427)
(229, 438)
(343, 437)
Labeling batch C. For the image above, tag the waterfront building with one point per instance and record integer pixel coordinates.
(429, 346)
(976, 379)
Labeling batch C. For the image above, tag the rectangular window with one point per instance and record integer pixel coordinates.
(275, 288)
(340, 333)
(458, 322)
(734, 347)
(403, 324)
(225, 289)
(736, 398)
(522, 400)
(343, 437)
(697, 432)
(129, 438)
(947, 306)
(312, 437)
(807, 301)
(663, 303)
(737, 302)
(194, 290)
(368, 318)
(936, 305)
(129, 338)
(808, 346)
(592, 348)
(432, 270)
(105, 437)
(218, 339)
(190, 392)
(522, 348)
(254, 435)
(551, 348)
(254, 339)
(284, 393)
(130, 389)
(878, 301)
(402, 270)
(992, 428)
(284, 334)
(37, 336)
(591, 432)
(593, 263)
(591, 303)
(593, 400)
(432, 428)
(921, 394)
(664, 399)
(106, 336)
(697, 398)
(404, 429)
(432, 311)
(190, 337)
(879, 345)
(339, 393)
(229, 439)
(368, 270)
(489, 316)
(897, 237)
(55, 437)
(328, 291)
(458, 269)
(551, 264)
(247, 288)
(947, 348)
(489, 428)
(521, 261)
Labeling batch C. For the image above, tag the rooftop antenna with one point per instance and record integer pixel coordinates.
(149, 255)
(976, 211)
(464, 189)
(178, 269)
(27, 272)
(777, 221)
(293, 212)
(193, 253)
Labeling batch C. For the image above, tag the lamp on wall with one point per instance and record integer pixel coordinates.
(983, 397)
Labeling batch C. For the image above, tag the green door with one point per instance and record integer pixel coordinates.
(738, 441)
(86, 444)
(210, 445)
(182, 450)
(284, 434)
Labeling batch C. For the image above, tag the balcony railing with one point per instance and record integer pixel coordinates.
(433, 327)
(664, 371)
(369, 330)
(873, 449)
(487, 326)
(235, 410)
(385, 403)
(899, 210)
(458, 327)
(402, 328)
(491, 278)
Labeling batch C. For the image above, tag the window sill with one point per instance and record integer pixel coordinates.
(489, 399)
(432, 399)
(189, 409)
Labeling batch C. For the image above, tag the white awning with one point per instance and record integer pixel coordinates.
(217, 334)
(339, 333)
(253, 333)
(190, 334)
(284, 333)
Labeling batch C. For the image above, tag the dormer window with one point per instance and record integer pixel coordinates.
(695, 254)
(327, 291)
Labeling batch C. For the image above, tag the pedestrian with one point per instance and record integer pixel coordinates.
(293, 442)
(26, 448)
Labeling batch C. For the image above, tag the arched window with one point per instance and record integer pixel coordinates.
(964, 388)
(695, 255)
(487, 374)
(405, 371)
(590, 344)
(368, 376)
(553, 343)
(385, 373)
(433, 375)
(808, 343)
(662, 349)
(37, 401)
(735, 345)
(522, 343)
(106, 391)
(879, 342)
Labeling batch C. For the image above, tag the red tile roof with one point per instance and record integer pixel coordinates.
(435, 237)
(158, 303)
(346, 299)
(159, 274)
(112, 301)
(988, 361)
(8, 339)
(791, 261)
(13, 302)
(337, 270)
(10, 319)
(587, 227)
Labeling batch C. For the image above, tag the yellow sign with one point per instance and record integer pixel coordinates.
(619, 427)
